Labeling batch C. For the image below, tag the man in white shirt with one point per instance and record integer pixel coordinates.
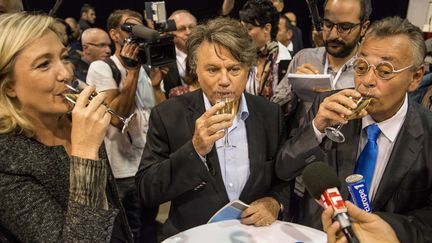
(96, 46)
(396, 161)
(134, 92)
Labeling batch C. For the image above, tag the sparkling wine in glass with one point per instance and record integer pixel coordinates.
(335, 134)
(75, 88)
(230, 107)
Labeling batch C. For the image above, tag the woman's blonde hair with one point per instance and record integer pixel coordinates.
(16, 32)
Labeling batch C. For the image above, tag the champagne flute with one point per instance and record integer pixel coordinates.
(75, 89)
(230, 107)
(335, 134)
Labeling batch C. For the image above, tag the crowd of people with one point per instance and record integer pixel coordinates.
(70, 172)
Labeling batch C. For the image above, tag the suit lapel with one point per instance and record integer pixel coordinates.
(347, 152)
(403, 155)
(196, 108)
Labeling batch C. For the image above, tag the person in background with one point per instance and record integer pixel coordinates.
(55, 181)
(96, 46)
(285, 33)
(388, 143)
(129, 90)
(75, 45)
(76, 30)
(423, 93)
(261, 21)
(65, 31)
(278, 4)
(185, 160)
(11, 6)
(297, 37)
(176, 76)
(286, 49)
(88, 17)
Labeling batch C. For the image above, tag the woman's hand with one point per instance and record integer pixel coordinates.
(90, 121)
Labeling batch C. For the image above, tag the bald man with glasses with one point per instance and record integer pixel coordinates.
(96, 46)
(388, 142)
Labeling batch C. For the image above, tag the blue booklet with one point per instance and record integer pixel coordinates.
(230, 211)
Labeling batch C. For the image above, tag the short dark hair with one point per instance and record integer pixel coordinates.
(225, 32)
(260, 13)
(86, 7)
(288, 25)
(114, 20)
(365, 9)
(392, 26)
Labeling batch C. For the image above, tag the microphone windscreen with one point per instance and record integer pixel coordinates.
(145, 33)
(319, 177)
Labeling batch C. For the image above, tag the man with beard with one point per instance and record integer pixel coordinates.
(88, 17)
(344, 23)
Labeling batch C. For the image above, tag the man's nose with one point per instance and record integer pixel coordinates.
(333, 32)
(107, 50)
(369, 79)
(187, 30)
(224, 79)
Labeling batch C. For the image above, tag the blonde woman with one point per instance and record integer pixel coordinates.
(55, 181)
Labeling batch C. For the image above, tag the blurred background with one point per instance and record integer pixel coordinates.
(205, 9)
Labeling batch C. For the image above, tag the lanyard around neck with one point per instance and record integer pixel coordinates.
(338, 74)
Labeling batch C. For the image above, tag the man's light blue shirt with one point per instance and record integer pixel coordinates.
(234, 161)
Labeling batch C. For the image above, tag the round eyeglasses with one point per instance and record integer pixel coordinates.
(101, 45)
(383, 70)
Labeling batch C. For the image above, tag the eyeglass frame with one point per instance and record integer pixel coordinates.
(102, 45)
(341, 32)
(185, 27)
(375, 68)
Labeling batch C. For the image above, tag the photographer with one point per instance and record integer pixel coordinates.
(129, 89)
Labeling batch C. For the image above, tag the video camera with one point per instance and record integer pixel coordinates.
(156, 46)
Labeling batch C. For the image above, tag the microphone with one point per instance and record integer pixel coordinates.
(322, 183)
(359, 192)
(141, 31)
